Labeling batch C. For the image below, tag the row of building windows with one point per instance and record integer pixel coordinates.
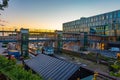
(105, 30)
(103, 24)
(77, 30)
(91, 25)
(98, 23)
(103, 17)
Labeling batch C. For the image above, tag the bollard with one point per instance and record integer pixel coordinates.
(95, 75)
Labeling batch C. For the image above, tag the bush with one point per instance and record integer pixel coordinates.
(117, 67)
(115, 74)
(15, 72)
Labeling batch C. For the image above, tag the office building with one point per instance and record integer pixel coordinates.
(103, 29)
(103, 24)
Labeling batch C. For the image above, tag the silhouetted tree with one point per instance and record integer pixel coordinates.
(3, 4)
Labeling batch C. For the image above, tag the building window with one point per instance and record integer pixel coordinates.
(114, 14)
(97, 23)
(119, 14)
(78, 22)
(107, 16)
(102, 17)
(91, 19)
(110, 15)
(118, 20)
(95, 18)
(86, 20)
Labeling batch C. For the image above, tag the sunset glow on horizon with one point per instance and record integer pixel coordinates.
(51, 14)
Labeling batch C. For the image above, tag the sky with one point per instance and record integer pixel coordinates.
(51, 14)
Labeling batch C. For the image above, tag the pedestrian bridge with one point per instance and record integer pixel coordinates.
(12, 39)
(37, 36)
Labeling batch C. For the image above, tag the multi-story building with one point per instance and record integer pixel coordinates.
(102, 29)
(104, 24)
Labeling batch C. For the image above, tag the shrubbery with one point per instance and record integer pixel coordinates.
(115, 74)
(115, 69)
(15, 72)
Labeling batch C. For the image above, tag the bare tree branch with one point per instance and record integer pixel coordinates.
(4, 4)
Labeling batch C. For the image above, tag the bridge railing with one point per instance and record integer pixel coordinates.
(8, 38)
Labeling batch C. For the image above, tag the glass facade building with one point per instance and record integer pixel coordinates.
(103, 24)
